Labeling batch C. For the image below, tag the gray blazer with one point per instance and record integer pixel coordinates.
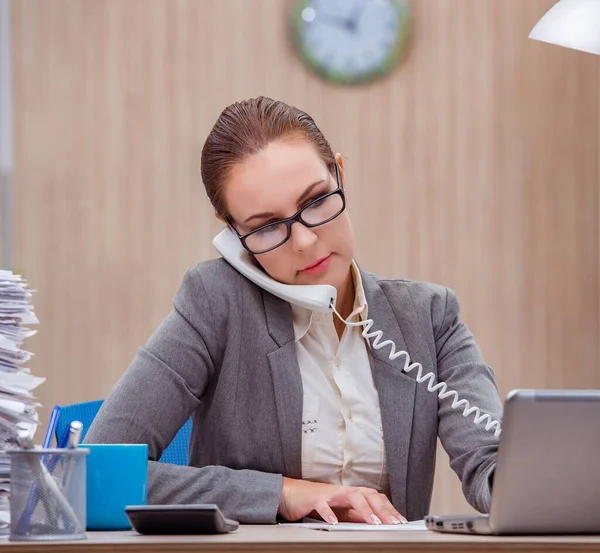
(226, 356)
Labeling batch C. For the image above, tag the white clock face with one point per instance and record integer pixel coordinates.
(350, 37)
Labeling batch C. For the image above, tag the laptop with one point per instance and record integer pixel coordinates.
(547, 479)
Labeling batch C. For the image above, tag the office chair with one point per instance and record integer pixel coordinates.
(175, 453)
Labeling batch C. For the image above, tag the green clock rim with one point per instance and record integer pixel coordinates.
(337, 76)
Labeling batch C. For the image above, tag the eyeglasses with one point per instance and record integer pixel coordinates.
(317, 212)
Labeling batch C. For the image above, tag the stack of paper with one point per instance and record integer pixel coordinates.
(17, 404)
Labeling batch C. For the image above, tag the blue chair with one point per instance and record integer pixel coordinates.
(176, 453)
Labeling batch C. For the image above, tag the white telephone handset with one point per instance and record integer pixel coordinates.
(322, 297)
(319, 297)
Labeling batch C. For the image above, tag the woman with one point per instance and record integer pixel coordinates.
(294, 412)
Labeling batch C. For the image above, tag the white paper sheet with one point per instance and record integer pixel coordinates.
(413, 526)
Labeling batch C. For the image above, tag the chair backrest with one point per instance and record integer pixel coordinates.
(175, 453)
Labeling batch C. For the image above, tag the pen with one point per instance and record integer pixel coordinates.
(62, 444)
(66, 509)
(73, 439)
(51, 427)
(25, 442)
(74, 436)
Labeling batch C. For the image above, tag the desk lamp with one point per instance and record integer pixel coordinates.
(571, 23)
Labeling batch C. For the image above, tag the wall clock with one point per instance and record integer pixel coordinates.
(350, 41)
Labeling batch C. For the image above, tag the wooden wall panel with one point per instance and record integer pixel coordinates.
(474, 165)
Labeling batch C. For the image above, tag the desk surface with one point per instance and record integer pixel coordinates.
(251, 538)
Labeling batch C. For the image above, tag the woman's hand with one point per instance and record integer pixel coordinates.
(356, 504)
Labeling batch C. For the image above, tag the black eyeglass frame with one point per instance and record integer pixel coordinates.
(297, 217)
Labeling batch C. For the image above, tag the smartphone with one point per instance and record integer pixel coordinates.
(179, 519)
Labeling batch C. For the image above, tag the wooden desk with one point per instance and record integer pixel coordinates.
(255, 539)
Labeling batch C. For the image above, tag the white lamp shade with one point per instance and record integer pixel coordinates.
(571, 23)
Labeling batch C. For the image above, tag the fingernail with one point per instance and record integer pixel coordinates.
(375, 518)
(332, 519)
(404, 521)
(393, 519)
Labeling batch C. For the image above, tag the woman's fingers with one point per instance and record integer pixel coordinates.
(301, 497)
(359, 503)
(383, 508)
(326, 513)
(370, 506)
(347, 515)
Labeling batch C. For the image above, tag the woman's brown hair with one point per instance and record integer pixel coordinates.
(244, 129)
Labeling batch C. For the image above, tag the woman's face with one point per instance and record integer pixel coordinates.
(274, 184)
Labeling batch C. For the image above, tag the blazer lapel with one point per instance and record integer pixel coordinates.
(396, 390)
(287, 382)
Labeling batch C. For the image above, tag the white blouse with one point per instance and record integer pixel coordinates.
(342, 435)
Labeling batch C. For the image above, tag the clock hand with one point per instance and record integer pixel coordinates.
(336, 21)
(352, 21)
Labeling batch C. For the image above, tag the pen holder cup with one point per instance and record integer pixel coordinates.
(47, 494)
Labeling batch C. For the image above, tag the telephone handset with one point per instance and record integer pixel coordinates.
(322, 297)
(319, 297)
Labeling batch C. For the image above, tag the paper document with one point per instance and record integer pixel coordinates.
(17, 403)
(414, 526)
